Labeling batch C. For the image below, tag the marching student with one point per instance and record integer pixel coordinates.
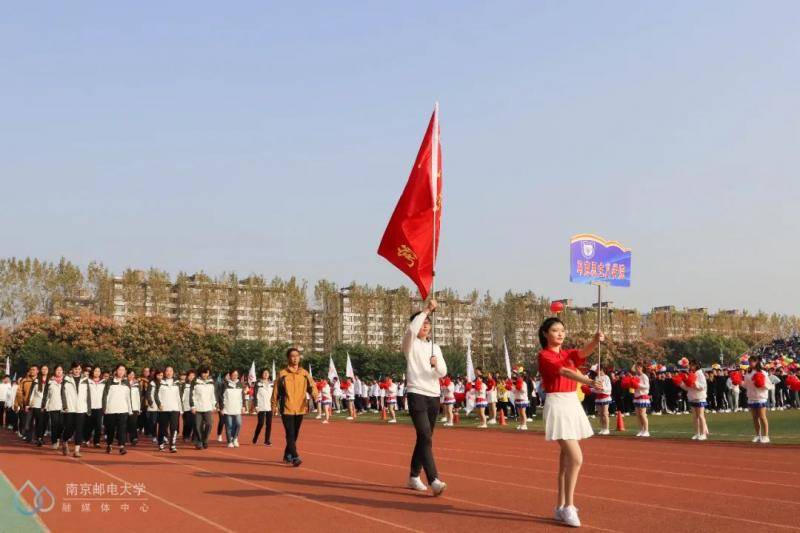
(364, 396)
(116, 408)
(188, 431)
(564, 418)
(231, 405)
(480, 400)
(263, 395)
(520, 389)
(28, 401)
(326, 401)
(448, 400)
(391, 399)
(289, 400)
(641, 398)
(152, 407)
(167, 396)
(221, 422)
(694, 383)
(491, 398)
(757, 384)
(136, 406)
(94, 428)
(53, 405)
(143, 424)
(75, 399)
(348, 390)
(602, 399)
(425, 365)
(203, 397)
(337, 394)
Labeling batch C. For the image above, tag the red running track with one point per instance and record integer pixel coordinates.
(353, 476)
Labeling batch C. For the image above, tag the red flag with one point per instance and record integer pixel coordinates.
(411, 239)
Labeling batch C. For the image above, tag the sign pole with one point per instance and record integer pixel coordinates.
(599, 323)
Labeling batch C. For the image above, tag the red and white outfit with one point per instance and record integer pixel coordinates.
(757, 389)
(448, 392)
(564, 417)
(641, 394)
(602, 396)
(520, 389)
(491, 391)
(391, 393)
(480, 393)
(325, 394)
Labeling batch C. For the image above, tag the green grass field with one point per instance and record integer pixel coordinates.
(738, 427)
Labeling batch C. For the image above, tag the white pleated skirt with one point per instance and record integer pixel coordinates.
(564, 418)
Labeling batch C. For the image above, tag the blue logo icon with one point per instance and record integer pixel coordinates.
(43, 499)
(587, 249)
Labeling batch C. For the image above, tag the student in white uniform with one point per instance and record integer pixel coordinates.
(136, 406)
(75, 400)
(641, 398)
(757, 384)
(696, 388)
(167, 397)
(117, 408)
(391, 399)
(95, 425)
(232, 404)
(263, 394)
(602, 399)
(52, 403)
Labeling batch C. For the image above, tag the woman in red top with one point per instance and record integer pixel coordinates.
(564, 418)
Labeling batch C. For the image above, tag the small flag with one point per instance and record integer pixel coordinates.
(8, 366)
(470, 368)
(508, 359)
(310, 372)
(349, 369)
(332, 373)
(408, 242)
(273, 370)
(251, 376)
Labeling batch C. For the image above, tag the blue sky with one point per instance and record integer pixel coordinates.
(261, 137)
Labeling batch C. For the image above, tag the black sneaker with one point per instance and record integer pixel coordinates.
(123, 451)
(173, 449)
(108, 449)
(296, 462)
(287, 459)
(198, 446)
(268, 443)
(38, 444)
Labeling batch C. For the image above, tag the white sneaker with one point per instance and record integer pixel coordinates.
(448, 424)
(523, 428)
(529, 419)
(757, 438)
(349, 418)
(324, 421)
(702, 437)
(235, 443)
(639, 434)
(695, 436)
(645, 434)
(318, 417)
(230, 445)
(219, 438)
(569, 515)
(557, 514)
(764, 440)
(443, 419)
(438, 487)
(492, 422)
(416, 483)
(483, 426)
(393, 421)
(605, 432)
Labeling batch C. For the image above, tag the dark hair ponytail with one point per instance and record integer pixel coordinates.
(545, 327)
(757, 360)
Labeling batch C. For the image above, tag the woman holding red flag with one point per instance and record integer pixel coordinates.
(758, 385)
(564, 418)
(424, 366)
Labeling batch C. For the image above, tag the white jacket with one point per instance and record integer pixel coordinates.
(421, 377)
(117, 397)
(756, 394)
(186, 396)
(204, 395)
(167, 395)
(4, 389)
(263, 394)
(96, 393)
(75, 394)
(231, 398)
(644, 386)
(52, 396)
(136, 396)
(700, 389)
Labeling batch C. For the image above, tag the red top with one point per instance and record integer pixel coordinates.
(550, 365)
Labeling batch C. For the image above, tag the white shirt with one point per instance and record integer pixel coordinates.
(4, 387)
(421, 377)
(699, 391)
(644, 386)
(756, 394)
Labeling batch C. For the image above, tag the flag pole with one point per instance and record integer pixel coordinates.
(599, 323)
(434, 193)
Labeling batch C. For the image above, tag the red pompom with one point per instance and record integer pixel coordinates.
(320, 385)
(736, 378)
(519, 384)
(625, 382)
(446, 381)
(677, 379)
(492, 384)
(468, 386)
(759, 380)
(690, 380)
(794, 384)
(586, 390)
(509, 385)
(635, 383)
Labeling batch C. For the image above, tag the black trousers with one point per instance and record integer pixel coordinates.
(56, 425)
(168, 427)
(423, 411)
(264, 419)
(188, 426)
(221, 425)
(116, 426)
(95, 426)
(133, 427)
(202, 426)
(73, 427)
(291, 425)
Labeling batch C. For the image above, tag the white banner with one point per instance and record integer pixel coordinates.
(349, 369)
(332, 373)
(508, 359)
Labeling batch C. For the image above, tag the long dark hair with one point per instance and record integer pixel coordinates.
(757, 360)
(545, 327)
